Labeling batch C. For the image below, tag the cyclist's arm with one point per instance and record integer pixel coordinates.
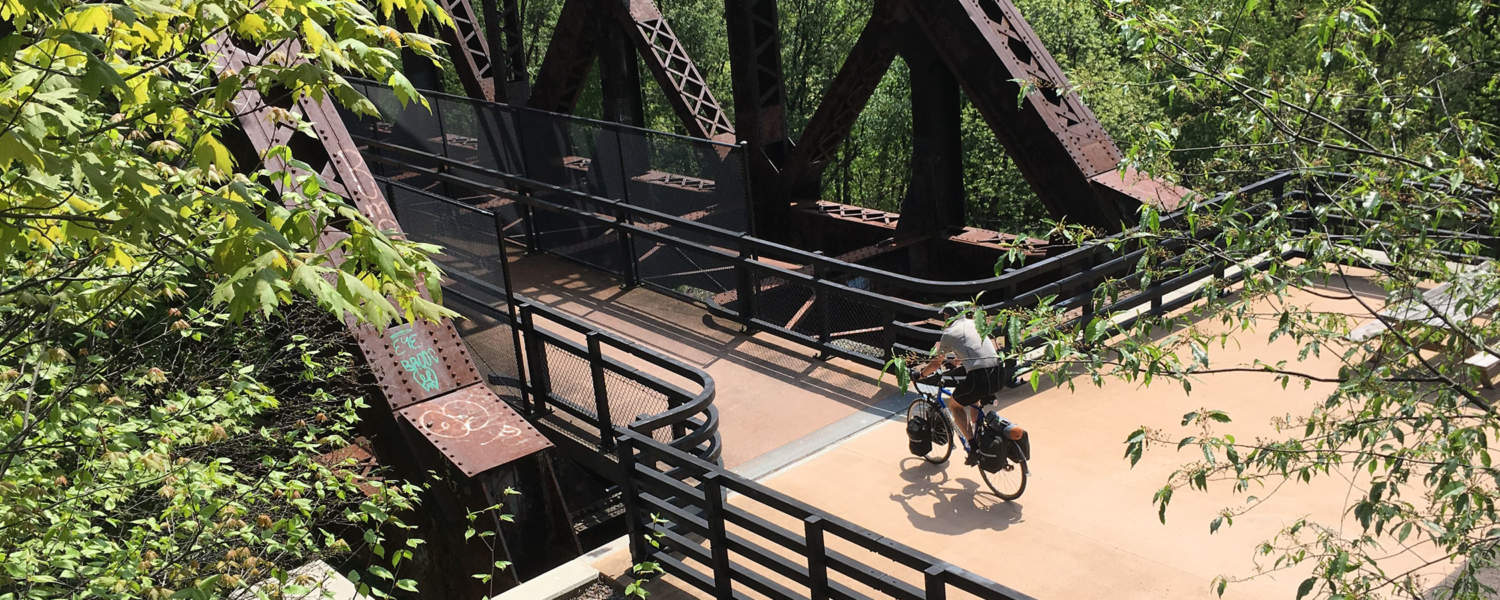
(939, 356)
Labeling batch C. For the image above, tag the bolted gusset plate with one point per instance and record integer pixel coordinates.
(475, 429)
(416, 361)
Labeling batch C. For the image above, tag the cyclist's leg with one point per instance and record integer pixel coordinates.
(965, 395)
(962, 418)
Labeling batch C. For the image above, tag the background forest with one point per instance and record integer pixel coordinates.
(1141, 111)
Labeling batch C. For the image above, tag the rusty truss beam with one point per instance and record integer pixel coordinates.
(1053, 137)
(842, 102)
(502, 32)
(469, 49)
(674, 70)
(570, 55)
(413, 364)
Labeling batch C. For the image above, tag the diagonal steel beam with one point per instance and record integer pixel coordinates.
(845, 97)
(686, 89)
(1055, 139)
(470, 51)
(570, 55)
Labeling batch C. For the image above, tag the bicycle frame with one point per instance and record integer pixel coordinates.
(939, 398)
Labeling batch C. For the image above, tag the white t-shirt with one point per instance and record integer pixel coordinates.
(974, 352)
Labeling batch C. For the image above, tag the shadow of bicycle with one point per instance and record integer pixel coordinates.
(938, 503)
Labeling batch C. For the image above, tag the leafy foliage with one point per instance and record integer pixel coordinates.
(172, 450)
(155, 443)
(113, 149)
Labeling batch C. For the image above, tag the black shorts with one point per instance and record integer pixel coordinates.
(978, 386)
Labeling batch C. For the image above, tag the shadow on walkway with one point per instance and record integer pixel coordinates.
(958, 505)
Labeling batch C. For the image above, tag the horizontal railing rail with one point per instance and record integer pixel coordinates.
(1088, 266)
(690, 523)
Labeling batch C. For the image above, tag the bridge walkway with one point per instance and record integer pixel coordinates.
(1086, 525)
(769, 392)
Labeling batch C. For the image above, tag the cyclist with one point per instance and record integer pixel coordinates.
(978, 362)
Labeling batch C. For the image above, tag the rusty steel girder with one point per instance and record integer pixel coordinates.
(502, 32)
(1055, 139)
(469, 50)
(674, 70)
(845, 97)
(575, 43)
(759, 85)
(414, 363)
(570, 55)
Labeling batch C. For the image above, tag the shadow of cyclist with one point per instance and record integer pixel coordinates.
(960, 505)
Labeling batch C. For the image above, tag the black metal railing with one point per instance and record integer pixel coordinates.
(680, 517)
(839, 308)
(655, 439)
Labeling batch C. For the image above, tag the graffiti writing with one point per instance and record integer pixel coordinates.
(460, 419)
(419, 359)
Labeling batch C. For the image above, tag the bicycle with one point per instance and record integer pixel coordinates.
(1004, 448)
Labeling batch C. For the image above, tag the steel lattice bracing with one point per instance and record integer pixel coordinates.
(675, 71)
(469, 49)
(842, 102)
(1055, 139)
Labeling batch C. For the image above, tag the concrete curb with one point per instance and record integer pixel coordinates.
(566, 578)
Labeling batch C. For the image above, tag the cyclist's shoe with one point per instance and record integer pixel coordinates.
(971, 456)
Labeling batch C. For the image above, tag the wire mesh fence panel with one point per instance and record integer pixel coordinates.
(684, 270)
(470, 246)
(689, 177)
(629, 399)
(570, 378)
(492, 344)
(858, 327)
(785, 303)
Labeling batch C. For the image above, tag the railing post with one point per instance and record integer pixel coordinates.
(713, 497)
(510, 309)
(817, 558)
(601, 392)
(536, 360)
(627, 247)
(820, 303)
(745, 276)
(528, 216)
(625, 454)
(937, 588)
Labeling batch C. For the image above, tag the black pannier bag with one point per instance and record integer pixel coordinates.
(992, 444)
(918, 433)
(1021, 450)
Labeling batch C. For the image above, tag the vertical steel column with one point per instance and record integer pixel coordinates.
(627, 248)
(934, 202)
(625, 455)
(745, 284)
(510, 309)
(936, 588)
(601, 392)
(718, 540)
(536, 355)
(817, 558)
(759, 97)
(620, 79)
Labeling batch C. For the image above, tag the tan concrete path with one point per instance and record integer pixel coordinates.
(769, 392)
(1086, 526)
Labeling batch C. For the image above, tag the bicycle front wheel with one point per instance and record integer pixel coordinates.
(938, 427)
(1007, 483)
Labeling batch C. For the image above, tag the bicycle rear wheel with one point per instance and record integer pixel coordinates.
(1007, 483)
(938, 427)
